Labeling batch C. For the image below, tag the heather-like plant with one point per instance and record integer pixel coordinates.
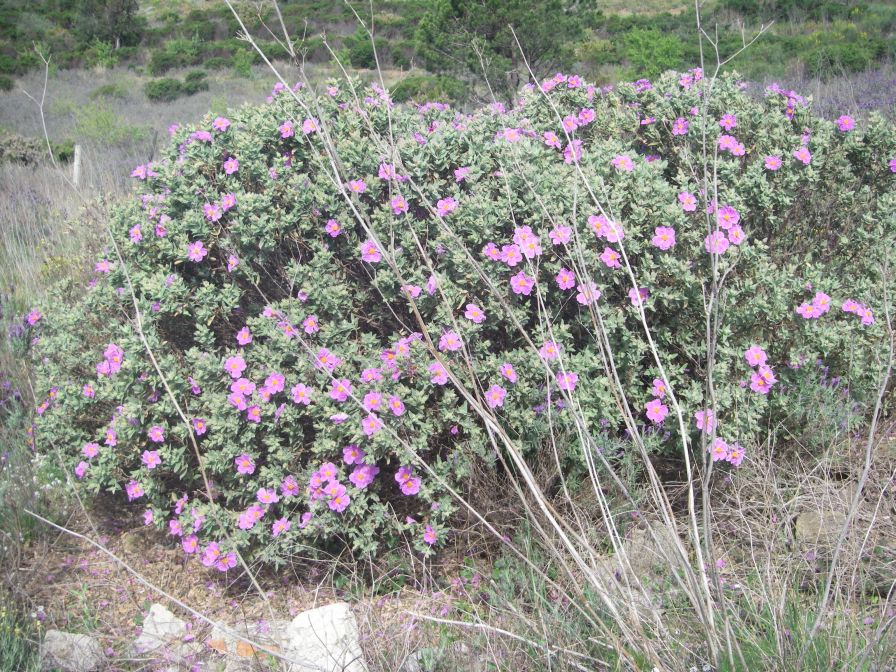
(326, 308)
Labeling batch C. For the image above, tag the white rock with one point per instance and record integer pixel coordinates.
(70, 653)
(160, 627)
(325, 640)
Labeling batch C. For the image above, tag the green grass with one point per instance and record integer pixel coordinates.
(18, 652)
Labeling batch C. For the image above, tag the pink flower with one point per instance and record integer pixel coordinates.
(773, 162)
(134, 490)
(450, 342)
(460, 174)
(560, 235)
(151, 459)
(735, 455)
(845, 123)
(718, 450)
(808, 312)
(680, 126)
(728, 121)
(274, 383)
(522, 283)
(340, 389)
(267, 496)
(301, 394)
(351, 454)
(196, 251)
(736, 235)
(232, 263)
(611, 257)
(566, 381)
(705, 420)
(287, 130)
(88, 391)
(511, 255)
(244, 464)
(244, 336)
(190, 543)
(396, 405)
(410, 486)
(549, 350)
(235, 366)
(253, 414)
(688, 201)
(429, 535)
(727, 216)
(821, 302)
(508, 372)
(373, 401)
(495, 395)
(231, 165)
(588, 293)
(439, 374)
(221, 124)
(659, 388)
(755, 356)
(371, 424)
(156, 434)
(803, 155)
(551, 139)
(572, 152)
(199, 426)
(566, 279)
(136, 233)
(656, 410)
(103, 266)
(623, 163)
(81, 469)
(663, 237)
(716, 243)
(638, 296)
(333, 228)
(281, 525)
(445, 206)
(363, 475)
(474, 313)
(357, 186)
(759, 384)
(370, 252)
(399, 205)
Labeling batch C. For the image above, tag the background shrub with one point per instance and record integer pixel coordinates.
(165, 89)
(271, 248)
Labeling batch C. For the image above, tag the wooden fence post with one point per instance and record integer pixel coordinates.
(76, 169)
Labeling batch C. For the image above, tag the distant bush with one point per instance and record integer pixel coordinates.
(194, 82)
(30, 151)
(218, 63)
(650, 52)
(321, 405)
(112, 90)
(428, 87)
(161, 62)
(243, 59)
(163, 90)
(6, 83)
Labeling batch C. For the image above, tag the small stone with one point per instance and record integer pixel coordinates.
(325, 639)
(160, 627)
(67, 652)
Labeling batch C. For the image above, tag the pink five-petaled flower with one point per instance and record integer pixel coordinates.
(88, 390)
(549, 350)
(659, 388)
(333, 228)
(373, 401)
(396, 405)
(266, 496)
(808, 311)
(134, 490)
(351, 454)
(680, 126)
(551, 139)
(508, 372)
(450, 342)
(196, 251)
(567, 380)
(221, 124)
(231, 165)
(705, 420)
(151, 459)
(728, 121)
(280, 526)
(253, 414)
(370, 252)
(611, 258)
(773, 162)
(474, 313)
(821, 302)
(755, 356)
(235, 366)
(274, 383)
(688, 201)
(735, 455)
(429, 535)
(91, 450)
(762, 380)
(656, 410)
(81, 469)
(399, 204)
(803, 155)
(103, 266)
(736, 235)
(845, 123)
(663, 237)
(445, 206)
(638, 296)
(310, 324)
(494, 396)
(212, 212)
(588, 293)
(727, 216)
(340, 389)
(244, 464)
(244, 336)
(357, 186)
(156, 434)
(309, 126)
(718, 450)
(287, 130)
(439, 374)
(560, 235)
(363, 475)
(716, 243)
(200, 427)
(623, 163)
(232, 263)
(566, 279)
(371, 424)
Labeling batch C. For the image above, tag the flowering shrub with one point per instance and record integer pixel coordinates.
(334, 376)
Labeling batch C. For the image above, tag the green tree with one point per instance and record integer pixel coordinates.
(475, 37)
(113, 21)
